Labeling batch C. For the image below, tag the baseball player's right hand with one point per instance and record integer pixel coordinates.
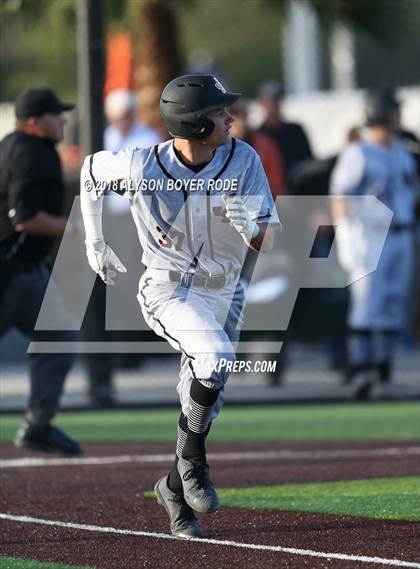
(103, 260)
(240, 218)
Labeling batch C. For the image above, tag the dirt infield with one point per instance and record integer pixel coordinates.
(111, 495)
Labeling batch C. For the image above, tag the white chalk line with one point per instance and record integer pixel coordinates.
(302, 455)
(226, 543)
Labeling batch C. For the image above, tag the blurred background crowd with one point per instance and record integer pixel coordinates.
(308, 70)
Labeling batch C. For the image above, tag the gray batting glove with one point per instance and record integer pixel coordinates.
(103, 260)
(240, 218)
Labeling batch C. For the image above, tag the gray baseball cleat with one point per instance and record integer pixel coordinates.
(199, 490)
(183, 521)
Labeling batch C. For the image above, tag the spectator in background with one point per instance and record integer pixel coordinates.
(123, 131)
(273, 165)
(290, 137)
(266, 148)
(412, 144)
(31, 205)
(294, 149)
(378, 165)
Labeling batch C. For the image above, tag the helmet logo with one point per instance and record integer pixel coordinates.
(218, 85)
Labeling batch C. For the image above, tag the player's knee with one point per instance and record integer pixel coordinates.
(215, 370)
(215, 364)
(224, 366)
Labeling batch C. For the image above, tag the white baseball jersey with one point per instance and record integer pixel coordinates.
(138, 136)
(386, 172)
(380, 299)
(182, 227)
(179, 214)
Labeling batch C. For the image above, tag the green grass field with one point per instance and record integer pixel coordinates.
(357, 422)
(385, 498)
(392, 498)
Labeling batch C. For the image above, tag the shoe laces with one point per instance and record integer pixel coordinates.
(185, 511)
(177, 499)
(199, 472)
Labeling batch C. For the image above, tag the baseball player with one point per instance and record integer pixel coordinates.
(377, 165)
(199, 202)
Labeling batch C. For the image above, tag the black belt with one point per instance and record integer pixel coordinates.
(398, 227)
(190, 279)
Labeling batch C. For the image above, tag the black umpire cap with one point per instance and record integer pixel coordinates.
(38, 102)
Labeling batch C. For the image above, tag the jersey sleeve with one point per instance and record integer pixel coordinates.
(107, 171)
(257, 195)
(347, 176)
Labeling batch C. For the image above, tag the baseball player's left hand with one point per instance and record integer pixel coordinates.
(240, 218)
(103, 261)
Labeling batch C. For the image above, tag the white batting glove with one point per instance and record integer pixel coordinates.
(103, 260)
(240, 218)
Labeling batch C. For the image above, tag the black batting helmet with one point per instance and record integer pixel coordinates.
(380, 107)
(185, 100)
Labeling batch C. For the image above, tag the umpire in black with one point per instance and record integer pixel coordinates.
(31, 205)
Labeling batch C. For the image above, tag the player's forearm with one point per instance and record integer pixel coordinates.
(264, 240)
(92, 216)
(91, 209)
(43, 223)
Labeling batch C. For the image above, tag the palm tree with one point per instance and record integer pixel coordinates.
(159, 57)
